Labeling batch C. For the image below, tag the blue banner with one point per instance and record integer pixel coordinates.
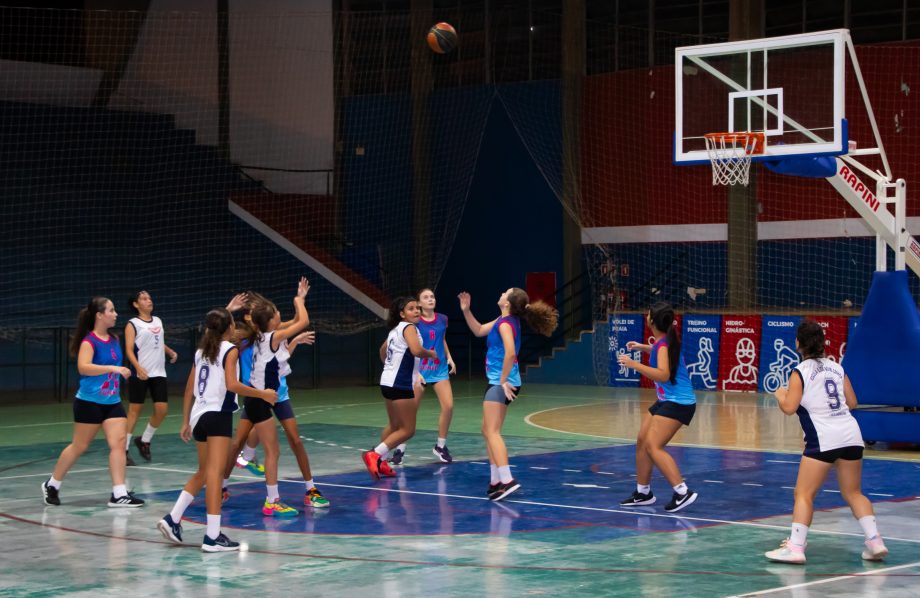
(700, 349)
(624, 328)
(778, 356)
(852, 323)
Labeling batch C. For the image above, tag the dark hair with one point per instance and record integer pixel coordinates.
(810, 335)
(662, 316)
(133, 298)
(541, 316)
(399, 304)
(261, 313)
(216, 323)
(86, 321)
(418, 295)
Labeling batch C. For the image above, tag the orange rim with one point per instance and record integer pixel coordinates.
(743, 137)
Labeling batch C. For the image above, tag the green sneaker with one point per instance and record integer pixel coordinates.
(315, 499)
(279, 510)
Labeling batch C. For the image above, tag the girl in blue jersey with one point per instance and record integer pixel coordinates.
(97, 404)
(674, 408)
(433, 328)
(210, 401)
(146, 350)
(832, 441)
(503, 344)
(400, 382)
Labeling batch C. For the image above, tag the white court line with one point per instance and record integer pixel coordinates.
(880, 494)
(828, 580)
(572, 470)
(751, 484)
(714, 481)
(778, 461)
(46, 474)
(540, 468)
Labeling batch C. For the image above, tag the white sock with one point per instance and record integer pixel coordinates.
(272, 491)
(504, 473)
(382, 449)
(128, 442)
(442, 442)
(309, 484)
(643, 488)
(56, 484)
(799, 534)
(182, 503)
(119, 490)
(494, 470)
(249, 453)
(148, 433)
(213, 526)
(681, 488)
(401, 447)
(869, 526)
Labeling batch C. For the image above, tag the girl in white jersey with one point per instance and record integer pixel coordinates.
(146, 350)
(400, 382)
(822, 396)
(210, 402)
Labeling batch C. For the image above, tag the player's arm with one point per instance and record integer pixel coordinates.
(303, 287)
(185, 432)
(662, 373)
(475, 327)
(410, 333)
(848, 393)
(301, 318)
(790, 398)
(173, 356)
(383, 351)
(451, 366)
(234, 385)
(86, 367)
(634, 346)
(507, 336)
(130, 337)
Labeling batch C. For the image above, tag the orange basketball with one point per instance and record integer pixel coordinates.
(442, 38)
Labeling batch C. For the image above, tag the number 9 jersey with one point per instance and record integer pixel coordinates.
(826, 420)
(210, 391)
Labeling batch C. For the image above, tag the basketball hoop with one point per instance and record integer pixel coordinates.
(730, 154)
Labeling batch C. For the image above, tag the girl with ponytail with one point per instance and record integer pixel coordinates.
(675, 407)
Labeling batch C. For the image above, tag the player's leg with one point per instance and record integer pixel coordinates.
(494, 411)
(114, 430)
(83, 434)
(812, 473)
(312, 496)
(849, 478)
(159, 394)
(445, 396)
(643, 494)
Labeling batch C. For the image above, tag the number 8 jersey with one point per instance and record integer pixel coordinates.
(826, 419)
(210, 389)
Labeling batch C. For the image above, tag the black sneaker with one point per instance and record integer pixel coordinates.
(171, 530)
(50, 495)
(128, 460)
(442, 453)
(221, 544)
(143, 448)
(397, 457)
(637, 499)
(504, 490)
(493, 490)
(679, 501)
(128, 501)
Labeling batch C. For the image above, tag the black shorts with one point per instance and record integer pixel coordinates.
(391, 393)
(847, 453)
(282, 410)
(137, 389)
(213, 423)
(672, 410)
(87, 412)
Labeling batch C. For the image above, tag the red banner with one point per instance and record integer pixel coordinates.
(738, 352)
(650, 340)
(541, 286)
(835, 335)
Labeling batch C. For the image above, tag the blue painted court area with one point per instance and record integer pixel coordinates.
(573, 490)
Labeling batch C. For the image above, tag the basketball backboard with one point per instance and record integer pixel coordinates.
(790, 88)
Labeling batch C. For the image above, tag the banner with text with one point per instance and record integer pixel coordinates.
(835, 335)
(778, 356)
(739, 345)
(650, 340)
(700, 348)
(624, 328)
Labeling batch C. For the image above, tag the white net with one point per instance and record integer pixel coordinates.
(730, 154)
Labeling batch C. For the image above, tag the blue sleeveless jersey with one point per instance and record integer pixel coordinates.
(103, 388)
(495, 354)
(245, 361)
(433, 331)
(681, 391)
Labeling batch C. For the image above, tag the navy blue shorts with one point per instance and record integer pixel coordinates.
(257, 410)
(672, 410)
(213, 423)
(88, 412)
(392, 393)
(137, 389)
(847, 453)
(496, 394)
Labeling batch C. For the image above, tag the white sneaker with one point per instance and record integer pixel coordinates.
(875, 550)
(787, 553)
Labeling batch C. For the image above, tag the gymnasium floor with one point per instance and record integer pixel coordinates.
(430, 531)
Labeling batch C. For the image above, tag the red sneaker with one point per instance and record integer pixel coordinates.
(384, 469)
(370, 461)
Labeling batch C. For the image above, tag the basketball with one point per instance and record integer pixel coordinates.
(442, 38)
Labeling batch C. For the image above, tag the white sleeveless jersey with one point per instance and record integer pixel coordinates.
(400, 367)
(148, 346)
(270, 368)
(826, 419)
(210, 389)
